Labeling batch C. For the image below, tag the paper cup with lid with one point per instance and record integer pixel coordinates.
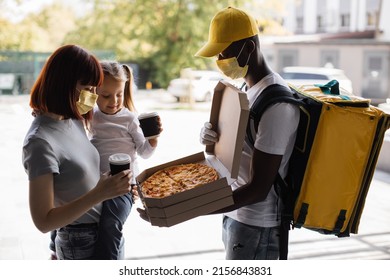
(119, 162)
(149, 124)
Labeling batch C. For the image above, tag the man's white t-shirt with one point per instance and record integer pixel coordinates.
(276, 135)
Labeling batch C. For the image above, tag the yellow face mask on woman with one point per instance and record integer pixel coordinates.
(87, 101)
(231, 68)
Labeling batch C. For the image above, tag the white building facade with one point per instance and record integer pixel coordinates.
(353, 35)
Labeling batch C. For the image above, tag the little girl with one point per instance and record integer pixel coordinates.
(115, 129)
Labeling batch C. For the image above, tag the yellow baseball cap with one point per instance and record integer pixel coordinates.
(227, 26)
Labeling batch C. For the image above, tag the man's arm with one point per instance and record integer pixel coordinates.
(264, 169)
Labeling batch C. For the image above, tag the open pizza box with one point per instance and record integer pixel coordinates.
(229, 116)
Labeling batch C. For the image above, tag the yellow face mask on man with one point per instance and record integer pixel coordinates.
(87, 101)
(230, 67)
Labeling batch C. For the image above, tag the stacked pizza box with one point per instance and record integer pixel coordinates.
(229, 116)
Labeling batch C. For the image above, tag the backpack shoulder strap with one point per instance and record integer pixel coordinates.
(271, 95)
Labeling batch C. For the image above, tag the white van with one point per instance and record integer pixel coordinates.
(200, 84)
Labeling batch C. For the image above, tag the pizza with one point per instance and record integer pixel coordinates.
(178, 178)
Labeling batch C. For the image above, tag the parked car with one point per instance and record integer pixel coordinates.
(199, 83)
(297, 75)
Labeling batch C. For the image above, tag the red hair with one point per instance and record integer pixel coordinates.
(55, 91)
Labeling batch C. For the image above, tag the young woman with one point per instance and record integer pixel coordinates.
(65, 185)
(115, 129)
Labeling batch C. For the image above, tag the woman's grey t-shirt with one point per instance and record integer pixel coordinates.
(61, 147)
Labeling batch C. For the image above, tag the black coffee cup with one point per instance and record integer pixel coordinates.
(119, 162)
(149, 124)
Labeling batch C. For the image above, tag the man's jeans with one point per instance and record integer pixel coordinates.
(245, 242)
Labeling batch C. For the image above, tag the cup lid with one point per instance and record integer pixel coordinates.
(147, 115)
(119, 158)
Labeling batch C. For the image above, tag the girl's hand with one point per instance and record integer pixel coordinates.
(153, 141)
(159, 124)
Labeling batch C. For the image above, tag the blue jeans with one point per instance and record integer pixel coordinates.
(76, 242)
(110, 243)
(246, 242)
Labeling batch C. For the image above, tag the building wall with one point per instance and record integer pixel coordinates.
(365, 60)
(329, 10)
(356, 57)
(309, 24)
(384, 22)
(351, 58)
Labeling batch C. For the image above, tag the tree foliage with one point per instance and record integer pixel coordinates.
(43, 31)
(161, 36)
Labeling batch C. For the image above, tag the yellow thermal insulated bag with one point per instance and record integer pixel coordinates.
(348, 138)
(338, 143)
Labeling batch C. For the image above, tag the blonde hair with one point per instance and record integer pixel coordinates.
(124, 73)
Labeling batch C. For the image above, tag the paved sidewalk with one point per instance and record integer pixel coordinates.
(199, 238)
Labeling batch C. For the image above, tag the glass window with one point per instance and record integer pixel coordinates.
(372, 8)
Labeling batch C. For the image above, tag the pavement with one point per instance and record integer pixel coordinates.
(196, 239)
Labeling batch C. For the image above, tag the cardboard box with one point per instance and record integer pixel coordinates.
(193, 213)
(189, 204)
(229, 117)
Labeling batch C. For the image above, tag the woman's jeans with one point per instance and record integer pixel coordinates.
(76, 242)
(92, 241)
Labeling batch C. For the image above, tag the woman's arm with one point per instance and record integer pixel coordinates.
(47, 217)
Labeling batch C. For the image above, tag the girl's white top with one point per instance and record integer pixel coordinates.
(119, 133)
